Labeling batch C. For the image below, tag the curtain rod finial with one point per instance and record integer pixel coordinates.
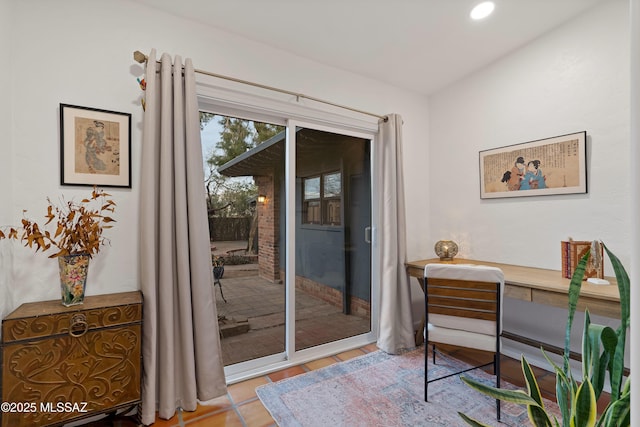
(139, 57)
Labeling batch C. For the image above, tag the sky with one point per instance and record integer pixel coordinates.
(210, 135)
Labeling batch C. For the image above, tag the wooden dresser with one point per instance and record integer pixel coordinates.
(61, 364)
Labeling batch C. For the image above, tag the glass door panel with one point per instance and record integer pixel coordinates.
(244, 170)
(332, 250)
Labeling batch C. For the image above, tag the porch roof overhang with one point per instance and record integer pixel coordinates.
(261, 160)
(268, 157)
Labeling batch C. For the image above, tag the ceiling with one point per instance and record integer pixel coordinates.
(419, 45)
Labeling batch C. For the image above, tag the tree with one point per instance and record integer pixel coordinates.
(236, 138)
(205, 118)
(232, 198)
(228, 196)
(265, 131)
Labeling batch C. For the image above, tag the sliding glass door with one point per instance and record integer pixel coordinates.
(290, 221)
(332, 247)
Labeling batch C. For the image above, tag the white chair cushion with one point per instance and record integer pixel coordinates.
(462, 338)
(480, 273)
(479, 326)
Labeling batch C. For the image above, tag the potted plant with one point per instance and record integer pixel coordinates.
(218, 267)
(76, 238)
(603, 352)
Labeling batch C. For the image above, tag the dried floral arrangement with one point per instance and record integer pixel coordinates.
(79, 226)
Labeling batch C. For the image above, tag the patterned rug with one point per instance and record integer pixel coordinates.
(379, 389)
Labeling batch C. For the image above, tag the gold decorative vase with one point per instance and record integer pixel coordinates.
(73, 278)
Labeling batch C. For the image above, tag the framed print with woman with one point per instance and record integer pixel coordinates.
(538, 168)
(95, 147)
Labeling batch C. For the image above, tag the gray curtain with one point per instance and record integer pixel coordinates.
(181, 348)
(396, 326)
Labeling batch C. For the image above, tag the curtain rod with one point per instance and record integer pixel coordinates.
(142, 58)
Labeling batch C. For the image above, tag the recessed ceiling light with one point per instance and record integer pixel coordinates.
(482, 10)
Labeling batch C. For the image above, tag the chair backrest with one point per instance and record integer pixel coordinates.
(465, 297)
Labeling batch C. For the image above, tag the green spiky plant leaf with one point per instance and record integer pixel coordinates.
(584, 409)
(603, 352)
(471, 421)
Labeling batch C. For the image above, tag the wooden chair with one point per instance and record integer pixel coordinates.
(463, 308)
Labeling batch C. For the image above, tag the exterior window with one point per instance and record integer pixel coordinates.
(322, 199)
(331, 192)
(312, 200)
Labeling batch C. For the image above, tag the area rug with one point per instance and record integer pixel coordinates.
(379, 389)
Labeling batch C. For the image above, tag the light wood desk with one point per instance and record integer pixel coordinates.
(539, 285)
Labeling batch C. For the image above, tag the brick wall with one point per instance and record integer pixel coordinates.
(269, 251)
(268, 229)
(359, 307)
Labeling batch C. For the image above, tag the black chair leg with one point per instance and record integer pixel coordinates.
(426, 371)
(496, 370)
(426, 388)
(217, 282)
(426, 367)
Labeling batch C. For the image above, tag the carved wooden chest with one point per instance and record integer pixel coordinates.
(65, 363)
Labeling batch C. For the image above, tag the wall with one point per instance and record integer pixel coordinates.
(634, 158)
(5, 112)
(575, 78)
(6, 148)
(572, 79)
(80, 52)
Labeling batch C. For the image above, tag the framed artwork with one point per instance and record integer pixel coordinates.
(95, 147)
(548, 166)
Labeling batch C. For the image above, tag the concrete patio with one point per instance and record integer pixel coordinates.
(255, 307)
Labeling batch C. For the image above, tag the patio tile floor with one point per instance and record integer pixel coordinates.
(262, 303)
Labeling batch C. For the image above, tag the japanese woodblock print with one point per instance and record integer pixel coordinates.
(548, 166)
(95, 147)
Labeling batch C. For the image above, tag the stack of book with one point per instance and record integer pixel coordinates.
(572, 252)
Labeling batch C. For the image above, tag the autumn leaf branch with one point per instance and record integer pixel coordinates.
(78, 226)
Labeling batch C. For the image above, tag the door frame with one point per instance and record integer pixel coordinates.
(290, 242)
(273, 111)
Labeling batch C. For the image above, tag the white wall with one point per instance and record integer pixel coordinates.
(572, 79)
(80, 52)
(5, 111)
(6, 182)
(634, 12)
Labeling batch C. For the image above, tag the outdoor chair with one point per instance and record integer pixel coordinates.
(218, 272)
(463, 308)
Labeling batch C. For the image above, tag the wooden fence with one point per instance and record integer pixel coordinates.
(229, 228)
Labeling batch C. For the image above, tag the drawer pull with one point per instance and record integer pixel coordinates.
(79, 325)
